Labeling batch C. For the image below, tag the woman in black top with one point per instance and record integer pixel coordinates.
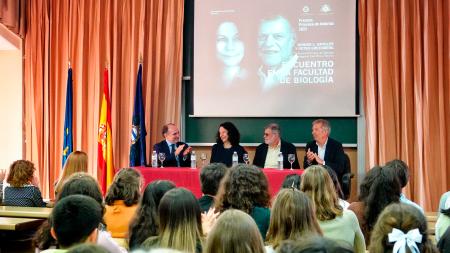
(227, 142)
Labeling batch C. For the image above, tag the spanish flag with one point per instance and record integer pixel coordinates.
(105, 154)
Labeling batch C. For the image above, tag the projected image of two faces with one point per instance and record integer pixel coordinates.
(275, 40)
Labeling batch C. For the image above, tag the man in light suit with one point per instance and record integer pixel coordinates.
(266, 155)
(177, 153)
(324, 150)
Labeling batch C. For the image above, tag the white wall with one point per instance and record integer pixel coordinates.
(10, 107)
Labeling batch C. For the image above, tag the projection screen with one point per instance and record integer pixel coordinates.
(284, 58)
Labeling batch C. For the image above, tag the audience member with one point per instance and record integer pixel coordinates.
(87, 248)
(324, 150)
(145, 221)
(292, 181)
(245, 188)
(234, 231)
(122, 201)
(401, 228)
(400, 168)
(77, 161)
(337, 224)
(337, 187)
(177, 152)
(74, 220)
(266, 155)
(84, 184)
(444, 242)
(292, 218)
(443, 220)
(20, 191)
(383, 190)
(180, 225)
(314, 244)
(227, 142)
(210, 178)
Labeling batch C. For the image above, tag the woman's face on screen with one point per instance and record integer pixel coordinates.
(229, 47)
(223, 134)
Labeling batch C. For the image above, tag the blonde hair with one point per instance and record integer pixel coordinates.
(318, 185)
(234, 231)
(405, 218)
(77, 161)
(292, 218)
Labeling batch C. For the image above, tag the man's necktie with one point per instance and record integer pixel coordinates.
(172, 151)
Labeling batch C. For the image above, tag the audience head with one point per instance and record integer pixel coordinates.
(292, 181)
(364, 188)
(244, 187)
(21, 173)
(334, 178)
(180, 224)
(384, 190)
(228, 133)
(77, 161)
(145, 222)
(272, 134)
(234, 231)
(401, 169)
(321, 129)
(397, 219)
(292, 217)
(314, 244)
(75, 220)
(318, 185)
(210, 177)
(125, 186)
(87, 248)
(171, 133)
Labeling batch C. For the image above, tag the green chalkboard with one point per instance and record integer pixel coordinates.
(294, 130)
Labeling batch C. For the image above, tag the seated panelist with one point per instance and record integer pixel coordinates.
(266, 155)
(177, 152)
(227, 142)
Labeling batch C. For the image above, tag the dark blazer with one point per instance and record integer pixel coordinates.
(170, 158)
(286, 148)
(219, 154)
(334, 156)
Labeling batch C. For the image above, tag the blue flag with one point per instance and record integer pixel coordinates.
(138, 132)
(68, 142)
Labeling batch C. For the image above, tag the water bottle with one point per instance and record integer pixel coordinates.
(193, 160)
(280, 161)
(235, 159)
(154, 159)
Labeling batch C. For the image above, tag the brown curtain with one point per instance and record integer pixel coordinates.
(93, 35)
(404, 47)
(12, 15)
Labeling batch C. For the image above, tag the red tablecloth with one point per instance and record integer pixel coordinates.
(190, 178)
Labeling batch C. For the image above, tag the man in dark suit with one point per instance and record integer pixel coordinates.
(177, 153)
(324, 150)
(266, 155)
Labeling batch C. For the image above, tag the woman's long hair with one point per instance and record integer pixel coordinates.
(234, 231)
(145, 221)
(76, 162)
(180, 224)
(233, 134)
(318, 185)
(243, 187)
(292, 218)
(405, 218)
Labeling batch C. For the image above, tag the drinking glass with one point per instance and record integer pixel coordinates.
(245, 158)
(203, 157)
(291, 159)
(162, 157)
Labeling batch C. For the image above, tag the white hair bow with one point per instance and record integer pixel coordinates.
(402, 240)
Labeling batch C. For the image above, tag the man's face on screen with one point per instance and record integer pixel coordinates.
(229, 47)
(275, 41)
(173, 134)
